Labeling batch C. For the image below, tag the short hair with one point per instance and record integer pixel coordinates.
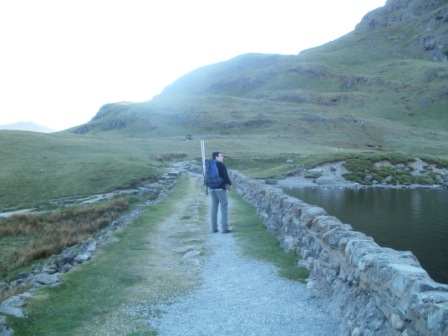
(215, 155)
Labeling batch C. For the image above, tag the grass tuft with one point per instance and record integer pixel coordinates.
(258, 243)
(8, 292)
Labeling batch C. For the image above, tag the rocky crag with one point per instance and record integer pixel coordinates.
(430, 34)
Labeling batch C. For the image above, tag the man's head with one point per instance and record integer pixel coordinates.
(218, 156)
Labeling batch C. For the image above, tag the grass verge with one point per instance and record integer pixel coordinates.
(258, 243)
(106, 295)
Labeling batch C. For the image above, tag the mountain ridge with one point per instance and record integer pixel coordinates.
(26, 126)
(376, 87)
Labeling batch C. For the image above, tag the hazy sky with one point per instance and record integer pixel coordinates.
(61, 60)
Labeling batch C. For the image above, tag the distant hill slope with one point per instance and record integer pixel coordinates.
(384, 85)
(26, 126)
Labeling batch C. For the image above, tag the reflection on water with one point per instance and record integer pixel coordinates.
(403, 219)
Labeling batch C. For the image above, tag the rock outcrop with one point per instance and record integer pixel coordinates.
(426, 19)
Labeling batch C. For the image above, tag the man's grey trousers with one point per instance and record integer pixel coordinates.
(219, 198)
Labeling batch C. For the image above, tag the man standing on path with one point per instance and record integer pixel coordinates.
(219, 195)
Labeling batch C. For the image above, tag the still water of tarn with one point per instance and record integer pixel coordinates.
(413, 220)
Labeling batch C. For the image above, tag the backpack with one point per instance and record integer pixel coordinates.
(212, 178)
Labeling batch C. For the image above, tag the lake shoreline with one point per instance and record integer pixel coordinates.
(301, 182)
(330, 175)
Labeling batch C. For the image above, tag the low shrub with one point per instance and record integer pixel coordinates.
(29, 237)
(170, 156)
(359, 168)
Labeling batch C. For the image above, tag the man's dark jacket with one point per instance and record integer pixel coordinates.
(223, 173)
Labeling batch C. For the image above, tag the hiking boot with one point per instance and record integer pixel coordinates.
(214, 231)
(227, 231)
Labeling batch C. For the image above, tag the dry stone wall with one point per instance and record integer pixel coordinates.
(375, 290)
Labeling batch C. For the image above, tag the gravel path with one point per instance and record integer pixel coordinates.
(240, 296)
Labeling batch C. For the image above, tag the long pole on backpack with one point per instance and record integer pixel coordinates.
(203, 163)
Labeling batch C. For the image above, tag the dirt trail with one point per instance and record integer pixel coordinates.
(173, 257)
(242, 296)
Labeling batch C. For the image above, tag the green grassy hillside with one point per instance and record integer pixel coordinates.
(37, 167)
(376, 92)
